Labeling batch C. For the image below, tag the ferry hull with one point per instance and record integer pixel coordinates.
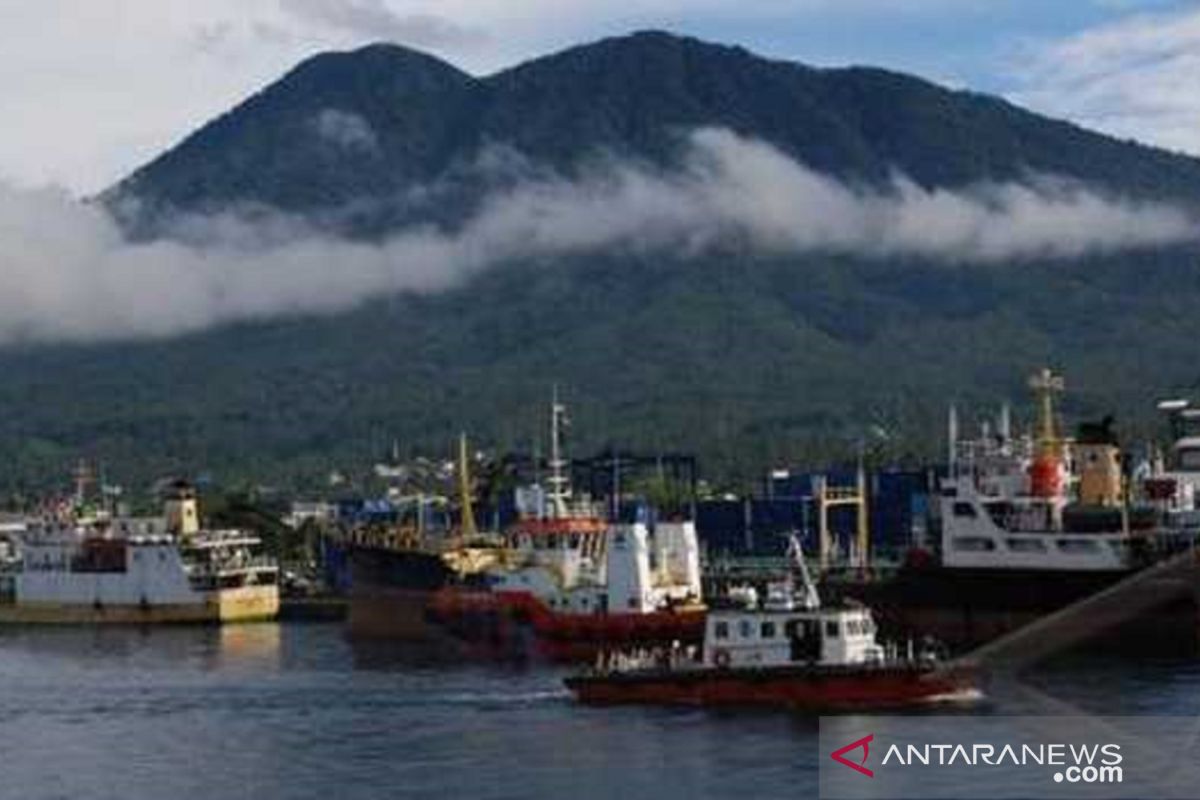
(815, 688)
(246, 604)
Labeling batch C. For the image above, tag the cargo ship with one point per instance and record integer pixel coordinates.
(79, 566)
(786, 650)
(1031, 524)
(561, 583)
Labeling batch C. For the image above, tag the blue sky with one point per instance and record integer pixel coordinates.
(974, 43)
(97, 88)
(961, 41)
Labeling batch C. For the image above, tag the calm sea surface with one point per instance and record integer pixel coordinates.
(295, 711)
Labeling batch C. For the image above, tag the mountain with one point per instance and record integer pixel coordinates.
(747, 357)
(421, 122)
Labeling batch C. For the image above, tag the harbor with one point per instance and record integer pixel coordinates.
(594, 617)
(558, 560)
(595, 401)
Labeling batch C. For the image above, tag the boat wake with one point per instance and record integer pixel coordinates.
(502, 699)
(961, 697)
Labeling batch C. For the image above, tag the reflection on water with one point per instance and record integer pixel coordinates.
(295, 711)
(256, 646)
(203, 647)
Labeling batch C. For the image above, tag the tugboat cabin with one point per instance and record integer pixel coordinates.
(778, 633)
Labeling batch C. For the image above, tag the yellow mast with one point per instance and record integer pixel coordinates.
(467, 509)
(1045, 385)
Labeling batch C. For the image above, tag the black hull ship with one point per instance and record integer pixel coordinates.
(1030, 525)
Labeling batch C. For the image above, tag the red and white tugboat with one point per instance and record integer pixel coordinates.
(786, 650)
(569, 584)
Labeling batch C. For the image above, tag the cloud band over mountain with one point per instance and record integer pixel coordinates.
(69, 275)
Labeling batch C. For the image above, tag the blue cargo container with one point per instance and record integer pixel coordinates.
(897, 503)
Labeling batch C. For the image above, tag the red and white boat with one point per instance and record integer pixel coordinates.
(569, 584)
(785, 650)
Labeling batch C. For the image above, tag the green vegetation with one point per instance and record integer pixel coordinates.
(747, 360)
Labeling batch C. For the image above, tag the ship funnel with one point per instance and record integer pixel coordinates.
(181, 509)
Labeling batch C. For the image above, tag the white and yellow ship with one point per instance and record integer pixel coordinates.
(68, 569)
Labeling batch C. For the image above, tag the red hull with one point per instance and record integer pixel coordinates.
(866, 687)
(520, 622)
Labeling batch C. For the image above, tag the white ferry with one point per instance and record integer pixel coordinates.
(88, 569)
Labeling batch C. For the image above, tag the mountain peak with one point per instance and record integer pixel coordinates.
(373, 70)
(365, 127)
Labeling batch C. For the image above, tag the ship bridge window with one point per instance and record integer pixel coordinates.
(831, 629)
(1025, 545)
(973, 544)
(962, 509)
(721, 630)
(767, 630)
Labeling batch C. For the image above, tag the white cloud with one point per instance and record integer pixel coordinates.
(375, 20)
(1137, 78)
(345, 130)
(66, 274)
(97, 88)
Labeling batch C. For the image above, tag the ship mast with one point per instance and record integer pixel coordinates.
(466, 507)
(83, 478)
(1045, 385)
(811, 600)
(560, 488)
(952, 439)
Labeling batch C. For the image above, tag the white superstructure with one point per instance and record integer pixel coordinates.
(787, 626)
(69, 569)
(1038, 501)
(569, 557)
